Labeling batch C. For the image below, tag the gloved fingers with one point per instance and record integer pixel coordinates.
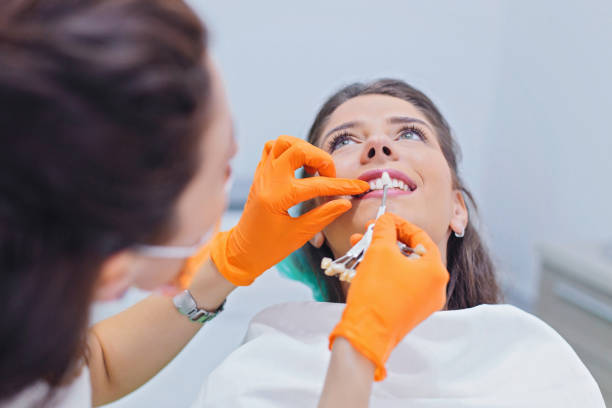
(318, 218)
(302, 153)
(355, 238)
(265, 154)
(283, 143)
(412, 235)
(296, 153)
(267, 149)
(311, 171)
(312, 187)
(385, 231)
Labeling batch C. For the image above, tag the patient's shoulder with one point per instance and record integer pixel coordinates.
(296, 319)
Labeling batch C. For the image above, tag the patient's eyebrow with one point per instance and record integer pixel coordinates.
(346, 125)
(406, 119)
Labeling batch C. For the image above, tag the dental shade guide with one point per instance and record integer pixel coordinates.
(345, 266)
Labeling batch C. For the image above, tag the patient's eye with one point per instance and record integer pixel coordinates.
(339, 140)
(411, 133)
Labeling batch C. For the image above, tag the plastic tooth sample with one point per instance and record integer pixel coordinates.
(385, 180)
(326, 262)
(338, 267)
(420, 249)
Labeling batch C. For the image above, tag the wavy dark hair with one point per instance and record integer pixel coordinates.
(472, 273)
(101, 111)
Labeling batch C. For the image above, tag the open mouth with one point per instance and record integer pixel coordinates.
(400, 183)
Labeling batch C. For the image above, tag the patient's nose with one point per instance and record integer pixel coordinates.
(378, 150)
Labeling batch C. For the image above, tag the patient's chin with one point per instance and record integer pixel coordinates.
(364, 213)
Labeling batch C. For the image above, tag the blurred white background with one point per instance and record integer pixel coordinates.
(526, 86)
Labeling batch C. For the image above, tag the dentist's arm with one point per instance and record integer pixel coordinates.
(388, 297)
(128, 349)
(349, 377)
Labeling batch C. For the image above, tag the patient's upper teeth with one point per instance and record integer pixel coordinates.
(395, 183)
(372, 185)
(379, 184)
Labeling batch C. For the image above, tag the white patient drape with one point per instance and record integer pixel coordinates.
(486, 356)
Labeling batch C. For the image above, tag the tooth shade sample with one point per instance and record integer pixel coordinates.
(385, 179)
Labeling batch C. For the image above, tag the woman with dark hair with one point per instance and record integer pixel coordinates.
(474, 353)
(472, 275)
(116, 139)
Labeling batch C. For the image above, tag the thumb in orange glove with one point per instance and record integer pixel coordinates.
(391, 293)
(266, 233)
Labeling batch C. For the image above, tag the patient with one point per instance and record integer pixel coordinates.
(473, 354)
(390, 125)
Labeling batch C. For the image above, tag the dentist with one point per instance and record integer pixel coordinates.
(116, 139)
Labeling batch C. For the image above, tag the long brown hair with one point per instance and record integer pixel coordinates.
(472, 273)
(101, 106)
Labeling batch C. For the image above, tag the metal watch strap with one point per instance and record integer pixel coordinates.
(186, 305)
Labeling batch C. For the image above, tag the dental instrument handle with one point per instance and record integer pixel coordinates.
(383, 205)
(386, 184)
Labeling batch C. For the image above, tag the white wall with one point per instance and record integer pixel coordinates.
(524, 84)
(547, 165)
(281, 60)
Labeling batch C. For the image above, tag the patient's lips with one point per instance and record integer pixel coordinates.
(401, 184)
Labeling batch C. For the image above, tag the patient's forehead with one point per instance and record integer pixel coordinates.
(372, 110)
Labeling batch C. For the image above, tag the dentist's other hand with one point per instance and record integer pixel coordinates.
(391, 293)
(266, 233)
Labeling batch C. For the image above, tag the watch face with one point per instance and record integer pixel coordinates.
(184, 302)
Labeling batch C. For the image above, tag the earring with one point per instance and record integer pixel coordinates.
(461, 235)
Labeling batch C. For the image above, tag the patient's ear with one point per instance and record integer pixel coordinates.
(317, 240)
(459, 216)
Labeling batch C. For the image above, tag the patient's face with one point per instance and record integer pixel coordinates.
(383, 132)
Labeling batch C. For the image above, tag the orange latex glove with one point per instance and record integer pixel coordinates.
(193, 264)
(391, 293)
(266, 233)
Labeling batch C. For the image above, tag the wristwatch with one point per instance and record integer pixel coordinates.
(186, 305)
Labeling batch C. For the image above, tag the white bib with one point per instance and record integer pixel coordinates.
(486, 356)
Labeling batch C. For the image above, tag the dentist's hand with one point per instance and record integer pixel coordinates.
(266, 233)
(391, 293)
